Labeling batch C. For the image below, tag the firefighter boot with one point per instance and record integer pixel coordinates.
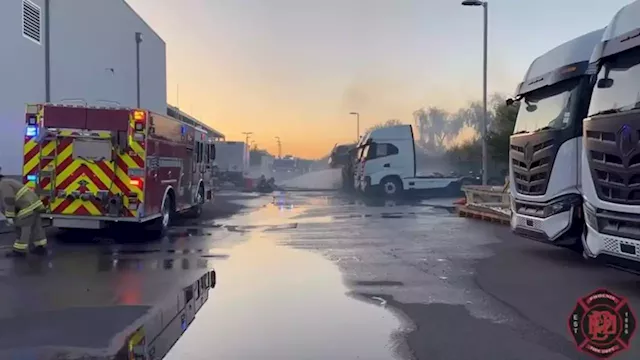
(19, 249)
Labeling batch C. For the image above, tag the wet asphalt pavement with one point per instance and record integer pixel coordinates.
(321, 276)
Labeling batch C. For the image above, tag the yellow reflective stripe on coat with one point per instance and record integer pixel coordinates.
(9, 214)
(20, 246)
(29, 209)
(23, 190)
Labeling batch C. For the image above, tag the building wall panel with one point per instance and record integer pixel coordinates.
(92, 59)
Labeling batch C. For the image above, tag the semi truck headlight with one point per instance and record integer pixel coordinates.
(590, 216)
(561, 205)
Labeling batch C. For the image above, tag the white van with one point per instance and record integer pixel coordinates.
(386, 164)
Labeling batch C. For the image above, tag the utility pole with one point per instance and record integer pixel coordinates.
(279, 147)
(47, 53)
(246, 137)
(357, 125)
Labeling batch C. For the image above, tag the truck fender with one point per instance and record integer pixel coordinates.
(166, 192)
(377, 176)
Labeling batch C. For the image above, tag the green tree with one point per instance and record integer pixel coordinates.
(501, 129)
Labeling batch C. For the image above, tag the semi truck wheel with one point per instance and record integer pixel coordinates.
(391, 186)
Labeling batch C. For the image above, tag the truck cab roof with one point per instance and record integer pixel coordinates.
(396, 132)
(621, 34)
(565, 61)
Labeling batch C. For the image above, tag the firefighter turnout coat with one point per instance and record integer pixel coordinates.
(18, 200)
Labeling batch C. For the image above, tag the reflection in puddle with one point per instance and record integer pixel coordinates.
(274, 302)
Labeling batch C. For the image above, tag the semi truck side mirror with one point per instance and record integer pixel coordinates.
(510, 101)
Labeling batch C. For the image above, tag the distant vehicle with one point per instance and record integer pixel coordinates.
(232, 161)
(93, 167)
(286, 164)
(386, 165)
(340, 155)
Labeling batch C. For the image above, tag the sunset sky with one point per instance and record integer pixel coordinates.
(296, 68)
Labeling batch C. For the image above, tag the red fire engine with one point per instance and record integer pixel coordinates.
(94, 166)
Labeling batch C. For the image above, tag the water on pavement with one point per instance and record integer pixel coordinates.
(275, 302)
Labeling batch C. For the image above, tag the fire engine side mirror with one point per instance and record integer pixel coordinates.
(212, 152)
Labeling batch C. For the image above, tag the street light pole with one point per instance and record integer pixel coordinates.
(246, 137)
(483, 130)
(357, 125)
(138, 41)
(279, 147)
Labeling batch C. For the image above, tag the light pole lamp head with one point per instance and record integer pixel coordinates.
(353, 113)
(473, 3)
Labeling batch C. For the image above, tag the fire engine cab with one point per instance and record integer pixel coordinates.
(96, 166)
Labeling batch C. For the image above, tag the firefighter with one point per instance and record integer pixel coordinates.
(22, 208)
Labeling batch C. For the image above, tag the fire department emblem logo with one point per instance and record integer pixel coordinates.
(602, 324)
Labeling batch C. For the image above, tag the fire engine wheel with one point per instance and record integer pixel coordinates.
(158, 227)
(196, 210)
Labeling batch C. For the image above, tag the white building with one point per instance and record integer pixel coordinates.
(92, 59)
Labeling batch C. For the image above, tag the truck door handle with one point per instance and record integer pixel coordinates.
(386, 165)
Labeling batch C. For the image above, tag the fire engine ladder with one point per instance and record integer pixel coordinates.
(48, 171)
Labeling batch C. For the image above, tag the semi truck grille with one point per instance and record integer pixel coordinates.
(532, 157)
(611, 145)
(618, 224)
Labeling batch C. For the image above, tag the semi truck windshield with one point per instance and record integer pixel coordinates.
(546, 108)
(622, 89)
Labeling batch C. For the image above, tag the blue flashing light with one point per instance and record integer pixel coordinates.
(183, 129)
(32, 177)
(32, 130)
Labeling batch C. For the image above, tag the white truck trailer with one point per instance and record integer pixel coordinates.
(232, 161)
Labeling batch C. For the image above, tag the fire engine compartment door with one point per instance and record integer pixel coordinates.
(95, 119)
(92, 149)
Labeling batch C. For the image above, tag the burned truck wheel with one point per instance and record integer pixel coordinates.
(391, 186)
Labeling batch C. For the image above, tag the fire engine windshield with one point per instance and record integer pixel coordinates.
(546, 108)
(618, 84)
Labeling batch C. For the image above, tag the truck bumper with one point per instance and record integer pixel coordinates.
(596, 243)
(91, 222)
(547, 229)
(561, 228)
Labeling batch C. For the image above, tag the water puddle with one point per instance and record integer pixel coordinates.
(274, 302)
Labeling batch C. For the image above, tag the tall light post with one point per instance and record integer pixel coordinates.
(483, 131)
(279, 147)
(357, 124)
(246, 137)
(138, 41)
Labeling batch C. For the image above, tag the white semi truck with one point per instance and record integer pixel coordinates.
(386, 165)
(545, 147)
(610, 159)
